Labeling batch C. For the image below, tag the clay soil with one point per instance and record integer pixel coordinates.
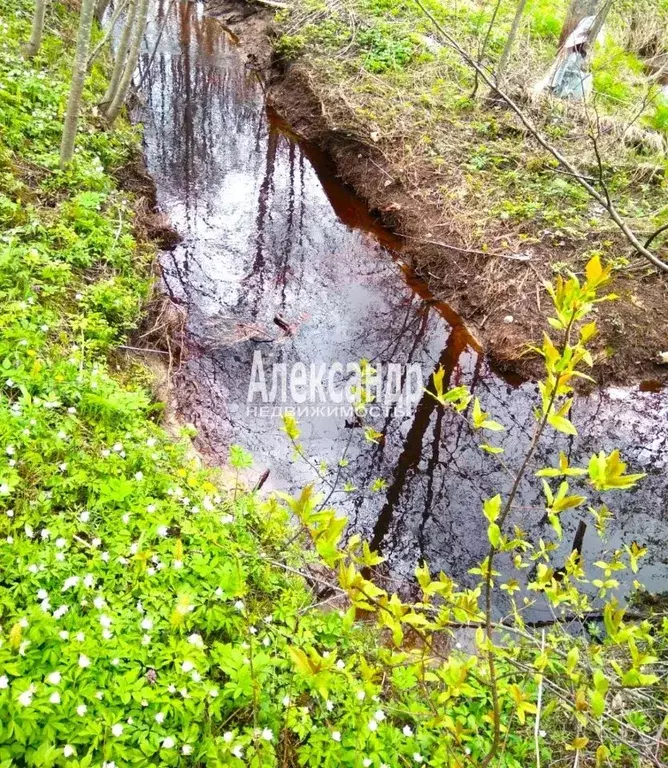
(501, 299)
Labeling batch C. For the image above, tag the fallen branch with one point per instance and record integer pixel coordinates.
(475, 251)
(272, 4)
(601, 199)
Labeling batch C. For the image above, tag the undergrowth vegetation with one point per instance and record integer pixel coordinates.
(150, 618)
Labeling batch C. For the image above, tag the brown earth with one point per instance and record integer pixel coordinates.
(500, 298)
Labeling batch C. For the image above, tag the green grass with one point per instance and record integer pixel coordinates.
(142, 621)
(147, 616)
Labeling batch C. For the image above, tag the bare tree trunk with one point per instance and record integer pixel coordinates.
(121, 53)
(37, 29)
(580, 9)
(482, 49)
(100, 8)
(131, 63)
(568, 77)
(503, 61)
(118, 10)
(78, 79)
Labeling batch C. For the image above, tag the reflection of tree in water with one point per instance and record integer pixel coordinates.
(246, 196)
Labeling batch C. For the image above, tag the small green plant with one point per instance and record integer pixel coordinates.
(383, 48)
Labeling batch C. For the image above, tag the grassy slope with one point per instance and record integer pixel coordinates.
(475, 177)
(141, 622)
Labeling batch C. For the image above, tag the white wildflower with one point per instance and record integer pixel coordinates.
(54, 678)
(25, 698)
(117, 730)
(336, 735)
(70, 581)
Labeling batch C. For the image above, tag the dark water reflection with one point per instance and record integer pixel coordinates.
(268, 231)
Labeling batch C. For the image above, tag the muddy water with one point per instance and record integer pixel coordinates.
(268, 231)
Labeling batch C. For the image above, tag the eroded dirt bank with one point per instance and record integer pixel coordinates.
(499, 294)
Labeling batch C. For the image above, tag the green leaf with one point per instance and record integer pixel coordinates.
(561, 424)
(490, 448)
(491, 508)
(494, 534)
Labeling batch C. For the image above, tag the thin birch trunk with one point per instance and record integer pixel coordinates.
(110, 30)
(78, 79)
(133, 56)
(100, 9)
(578, 10)
(503, 61)
(37, 29)
(121, 52)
